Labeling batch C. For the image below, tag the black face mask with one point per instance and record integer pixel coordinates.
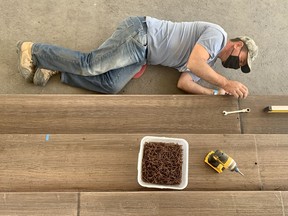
(232, 61)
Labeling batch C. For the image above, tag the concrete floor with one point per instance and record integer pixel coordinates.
(85, 24)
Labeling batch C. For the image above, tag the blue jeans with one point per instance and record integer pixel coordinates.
(107, 69)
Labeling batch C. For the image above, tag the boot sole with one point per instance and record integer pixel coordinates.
(38, 78)
(28, 75)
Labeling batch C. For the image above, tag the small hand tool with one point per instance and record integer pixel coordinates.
(219, 161)
(276, 109)
(237, 111)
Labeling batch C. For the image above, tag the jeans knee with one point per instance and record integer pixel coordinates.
(114, 89)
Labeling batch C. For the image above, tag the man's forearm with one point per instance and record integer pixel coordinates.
(194, 88)
(204, 71)
(186, 83)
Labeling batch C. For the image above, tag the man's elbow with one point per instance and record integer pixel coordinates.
(181, 84)
(192, 65)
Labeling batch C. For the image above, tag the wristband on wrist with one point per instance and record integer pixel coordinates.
(215, 92)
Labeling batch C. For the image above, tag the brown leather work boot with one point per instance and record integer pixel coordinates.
(25, 65)
(42, 76)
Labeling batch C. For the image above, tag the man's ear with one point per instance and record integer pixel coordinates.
(238, 44)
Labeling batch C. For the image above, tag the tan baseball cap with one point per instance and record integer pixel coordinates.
(252, 52)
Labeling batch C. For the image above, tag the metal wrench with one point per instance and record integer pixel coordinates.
(237, 111)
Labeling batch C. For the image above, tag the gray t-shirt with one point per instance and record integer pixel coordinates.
(171, 43)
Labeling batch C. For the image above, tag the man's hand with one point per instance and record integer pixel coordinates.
(236, 89)
(222, 92)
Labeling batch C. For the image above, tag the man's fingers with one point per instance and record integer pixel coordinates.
(235, 94)
(244, 91)
(243, 87)
(237, 89)
(246, 94)
(240, 93)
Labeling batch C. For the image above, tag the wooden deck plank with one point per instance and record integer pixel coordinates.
(108, 162)
(239, 147)
(259, 122)
(272, 156)
(39, 204)
(146, 203)
(284, 195)
(182, 203)
(70, 114)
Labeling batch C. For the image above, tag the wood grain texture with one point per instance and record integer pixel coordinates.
(44, 204)
(108, 162)
(240, 147)
(182, 203)
(260, 122)
(284, 195)
(273, 160)
(72, 114)
(146, 203)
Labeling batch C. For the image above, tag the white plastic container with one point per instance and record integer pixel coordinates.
(185, 147)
